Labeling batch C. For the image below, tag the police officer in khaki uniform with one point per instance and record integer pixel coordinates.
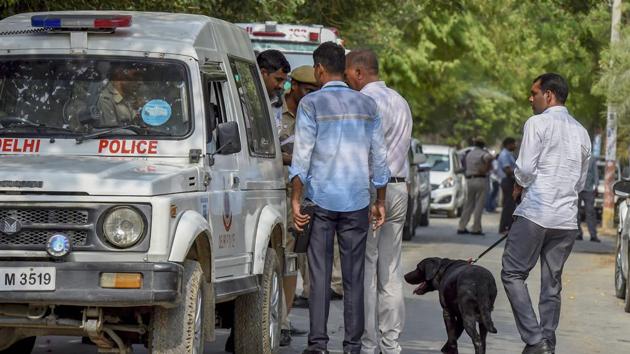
(478, 164)
(302, 83)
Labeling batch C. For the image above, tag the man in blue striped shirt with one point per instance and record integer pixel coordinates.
(338, 155)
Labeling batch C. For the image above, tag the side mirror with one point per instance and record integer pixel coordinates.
(622, 188)
(419, 159)
(228, 138)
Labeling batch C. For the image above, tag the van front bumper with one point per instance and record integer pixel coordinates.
(78, 284)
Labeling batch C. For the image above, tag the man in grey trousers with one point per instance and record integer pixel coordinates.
(550, 171)
(384, 299)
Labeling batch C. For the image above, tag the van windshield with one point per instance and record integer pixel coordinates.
(78, 96)
(438, 162)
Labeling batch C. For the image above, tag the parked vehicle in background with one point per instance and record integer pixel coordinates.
(599, 198)
(622, 256)
(296, 42)
(141, 184)
(419, 186)
(448, 183)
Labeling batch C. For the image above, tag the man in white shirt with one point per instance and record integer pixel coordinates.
(384, 300)
(550, 172)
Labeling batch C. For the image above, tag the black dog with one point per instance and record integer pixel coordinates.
(467, 294)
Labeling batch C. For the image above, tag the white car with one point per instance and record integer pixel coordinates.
(622, 258)
(448, 184)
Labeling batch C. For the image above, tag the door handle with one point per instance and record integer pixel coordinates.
(236, 181)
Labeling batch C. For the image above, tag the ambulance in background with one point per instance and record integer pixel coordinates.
(296, 42)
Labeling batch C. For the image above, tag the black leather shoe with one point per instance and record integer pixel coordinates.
(463, 232)
(300, 302)
(285, 337)
(595, 239)
(335, 296)
(540, 348)
(579, 237)
(296, 332)
(478, 233)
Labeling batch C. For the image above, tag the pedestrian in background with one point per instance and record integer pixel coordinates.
(384, 299)
(478, 165)
(550, 171)
(507, 163)
(339, 154)
(302, 83)
(494, 186)
(586, 202)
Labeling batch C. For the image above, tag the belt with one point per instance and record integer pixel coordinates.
(476, 176)
(397, 180)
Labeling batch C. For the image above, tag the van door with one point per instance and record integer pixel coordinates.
(262, 177)
(225, 199)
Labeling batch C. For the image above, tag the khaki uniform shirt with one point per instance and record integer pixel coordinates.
(286, 134)
(477, 162)
(113, 107)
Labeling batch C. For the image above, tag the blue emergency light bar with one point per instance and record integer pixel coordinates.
(81, 21)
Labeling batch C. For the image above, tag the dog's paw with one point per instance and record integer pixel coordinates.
(449, 349)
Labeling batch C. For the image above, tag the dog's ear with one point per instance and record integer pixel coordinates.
(431, 268)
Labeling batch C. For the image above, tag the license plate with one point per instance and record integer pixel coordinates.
(27, 279)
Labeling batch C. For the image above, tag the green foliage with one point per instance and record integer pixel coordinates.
(465, 66)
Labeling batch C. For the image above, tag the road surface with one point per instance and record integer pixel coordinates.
(592, 319)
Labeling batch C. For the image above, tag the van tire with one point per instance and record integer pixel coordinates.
(620, 278)
(254, 313)
(23, 346)
(173, 329)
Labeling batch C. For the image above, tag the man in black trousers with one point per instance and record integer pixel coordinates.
(338, 155)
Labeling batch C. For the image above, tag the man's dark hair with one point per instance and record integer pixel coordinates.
(331, 56)
(554, 83)
(365, 58)
(273, 60)
(508, 141)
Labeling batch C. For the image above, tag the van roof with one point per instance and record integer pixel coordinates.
(153, 32)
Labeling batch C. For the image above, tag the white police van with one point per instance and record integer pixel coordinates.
(142, 192)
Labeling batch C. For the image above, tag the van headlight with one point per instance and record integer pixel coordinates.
(123, 226)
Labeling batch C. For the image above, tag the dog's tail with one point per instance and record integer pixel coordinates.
(485, 309)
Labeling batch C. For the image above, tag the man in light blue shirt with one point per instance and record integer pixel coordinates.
(338, 155)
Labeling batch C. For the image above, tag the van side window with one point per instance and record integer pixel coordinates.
(214, 105)
(257, 123)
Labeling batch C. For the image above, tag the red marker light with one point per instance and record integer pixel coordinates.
(313, 37)
(114, 22)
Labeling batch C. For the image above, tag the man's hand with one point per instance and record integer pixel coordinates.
(286, 158)
(299, 219)
(516, 193)
(378, 214)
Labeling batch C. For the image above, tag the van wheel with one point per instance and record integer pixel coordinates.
(620, 278)
(23, 346)
(180, 329)
(257, 315)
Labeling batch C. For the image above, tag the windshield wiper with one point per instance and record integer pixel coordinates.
(18, 122)
(136, 129)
